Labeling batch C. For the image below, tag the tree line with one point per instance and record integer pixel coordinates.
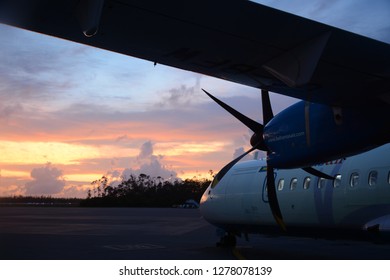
(136, 191)
(144, 191)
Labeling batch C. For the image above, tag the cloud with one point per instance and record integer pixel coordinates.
(181, 96)
(150, 164)
(32, 72)
(8, 110)
(239, 151)
(79, 191)
(11, 190)
(47, 180)
(48, 67)
(146, 150)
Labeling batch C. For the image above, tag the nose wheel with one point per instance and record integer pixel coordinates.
(227, 241)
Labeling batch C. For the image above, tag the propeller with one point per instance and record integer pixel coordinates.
(257, 142)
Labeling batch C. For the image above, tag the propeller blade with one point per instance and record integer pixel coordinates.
(271, 189)
(251, 124)
(273, 199)
(227, 167)
(318, 173)
(267, 109)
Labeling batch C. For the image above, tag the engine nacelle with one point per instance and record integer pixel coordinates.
(309, 133)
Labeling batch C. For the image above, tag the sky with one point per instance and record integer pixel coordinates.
(70, 114)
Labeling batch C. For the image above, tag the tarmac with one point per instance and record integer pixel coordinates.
(74, 233)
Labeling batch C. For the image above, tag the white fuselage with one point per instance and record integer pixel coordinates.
(358, 199)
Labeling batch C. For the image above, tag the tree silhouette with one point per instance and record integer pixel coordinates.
(145, 191)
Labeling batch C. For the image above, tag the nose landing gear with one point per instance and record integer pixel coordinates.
(228, 240)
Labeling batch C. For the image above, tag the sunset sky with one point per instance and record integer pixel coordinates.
(70, 114)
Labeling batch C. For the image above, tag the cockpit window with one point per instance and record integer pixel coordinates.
(214, 183)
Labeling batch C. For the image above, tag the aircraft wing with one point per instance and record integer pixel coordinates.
(235, 40)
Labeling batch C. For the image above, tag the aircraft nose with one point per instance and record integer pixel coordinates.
(211, 205)
(205, 197)
(205, 202)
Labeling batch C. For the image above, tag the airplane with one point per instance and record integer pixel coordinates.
(342, 78)
(356, 204)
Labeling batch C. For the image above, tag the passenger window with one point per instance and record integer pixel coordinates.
(306, 183)
(280, 184)
(372, 178)
(337, 181)
(354, 180)
(293, 183)
(321, 183)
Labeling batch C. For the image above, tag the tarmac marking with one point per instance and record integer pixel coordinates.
(133, 247)
(237, 254)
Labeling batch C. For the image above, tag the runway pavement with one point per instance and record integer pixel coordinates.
(63, 233)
